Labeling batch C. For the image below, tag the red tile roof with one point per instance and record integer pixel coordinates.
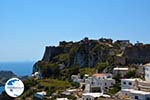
(99, 75)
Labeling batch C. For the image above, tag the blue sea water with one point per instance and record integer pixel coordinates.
(1, 89)
(18, 68)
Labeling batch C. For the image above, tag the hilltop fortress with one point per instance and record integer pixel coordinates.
(88, 52)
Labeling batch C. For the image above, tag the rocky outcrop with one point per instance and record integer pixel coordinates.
(87, 53)
(51, 52)
(137, 54)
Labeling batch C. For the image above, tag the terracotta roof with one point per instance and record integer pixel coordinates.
(99, 75)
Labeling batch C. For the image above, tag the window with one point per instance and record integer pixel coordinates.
(111, 83)
(124, 83)
(108, 76)
(92, 82)
(136, 97)
(148, 98)
(130, 83)
(145, 68)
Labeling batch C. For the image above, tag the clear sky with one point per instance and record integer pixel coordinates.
(27, 26)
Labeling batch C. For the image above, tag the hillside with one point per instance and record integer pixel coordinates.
(89, 53)
(5, 75)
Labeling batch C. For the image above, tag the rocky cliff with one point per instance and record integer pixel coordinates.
(137, 54)
(88, 53)
(85, 53)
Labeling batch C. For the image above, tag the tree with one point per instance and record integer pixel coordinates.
(131, 74)
(75, 84)
(101, 66)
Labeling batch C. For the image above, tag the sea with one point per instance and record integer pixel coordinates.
(18, 68)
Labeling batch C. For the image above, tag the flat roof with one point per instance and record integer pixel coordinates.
(136, 91)
(41, 93)
(117, 68)
(131, 79)
(62, 99)
(147, 65)
(139, 92)
(92, 94)
(148, 82)
(71, 90)
(96, 95)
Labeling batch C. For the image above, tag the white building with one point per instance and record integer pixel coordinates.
(62, 99)
(76, 78)
(93, 96)
(101, 81)
(37, 75)
(90, 96)
(40, 94)
(147, 72)
(136, 89)
(128, 83)
(144, 86)
(120, 71)
(137, 94)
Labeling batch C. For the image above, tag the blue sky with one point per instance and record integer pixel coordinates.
(27, 26)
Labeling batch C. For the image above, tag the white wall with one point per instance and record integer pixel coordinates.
(139, 96)
(87, 97)
(99, 82)
(122, 73)
(147, 73)
(127, 84)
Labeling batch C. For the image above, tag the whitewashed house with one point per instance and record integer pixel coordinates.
(139, 95)
(147, 72)
(76, 78)
(136, 89)
(90, 96)
(136, 94)
(93, 96)
(120, 71)
(144, 86)
(128, 83)
(37, 75)
(40, 94)
(101, 81)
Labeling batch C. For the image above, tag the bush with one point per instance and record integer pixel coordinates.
(101, 66)
(29, 83)
(75, 84)
(131, 74)
(115, 88)
(67, 72)
(71, 97)
(88, 71)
